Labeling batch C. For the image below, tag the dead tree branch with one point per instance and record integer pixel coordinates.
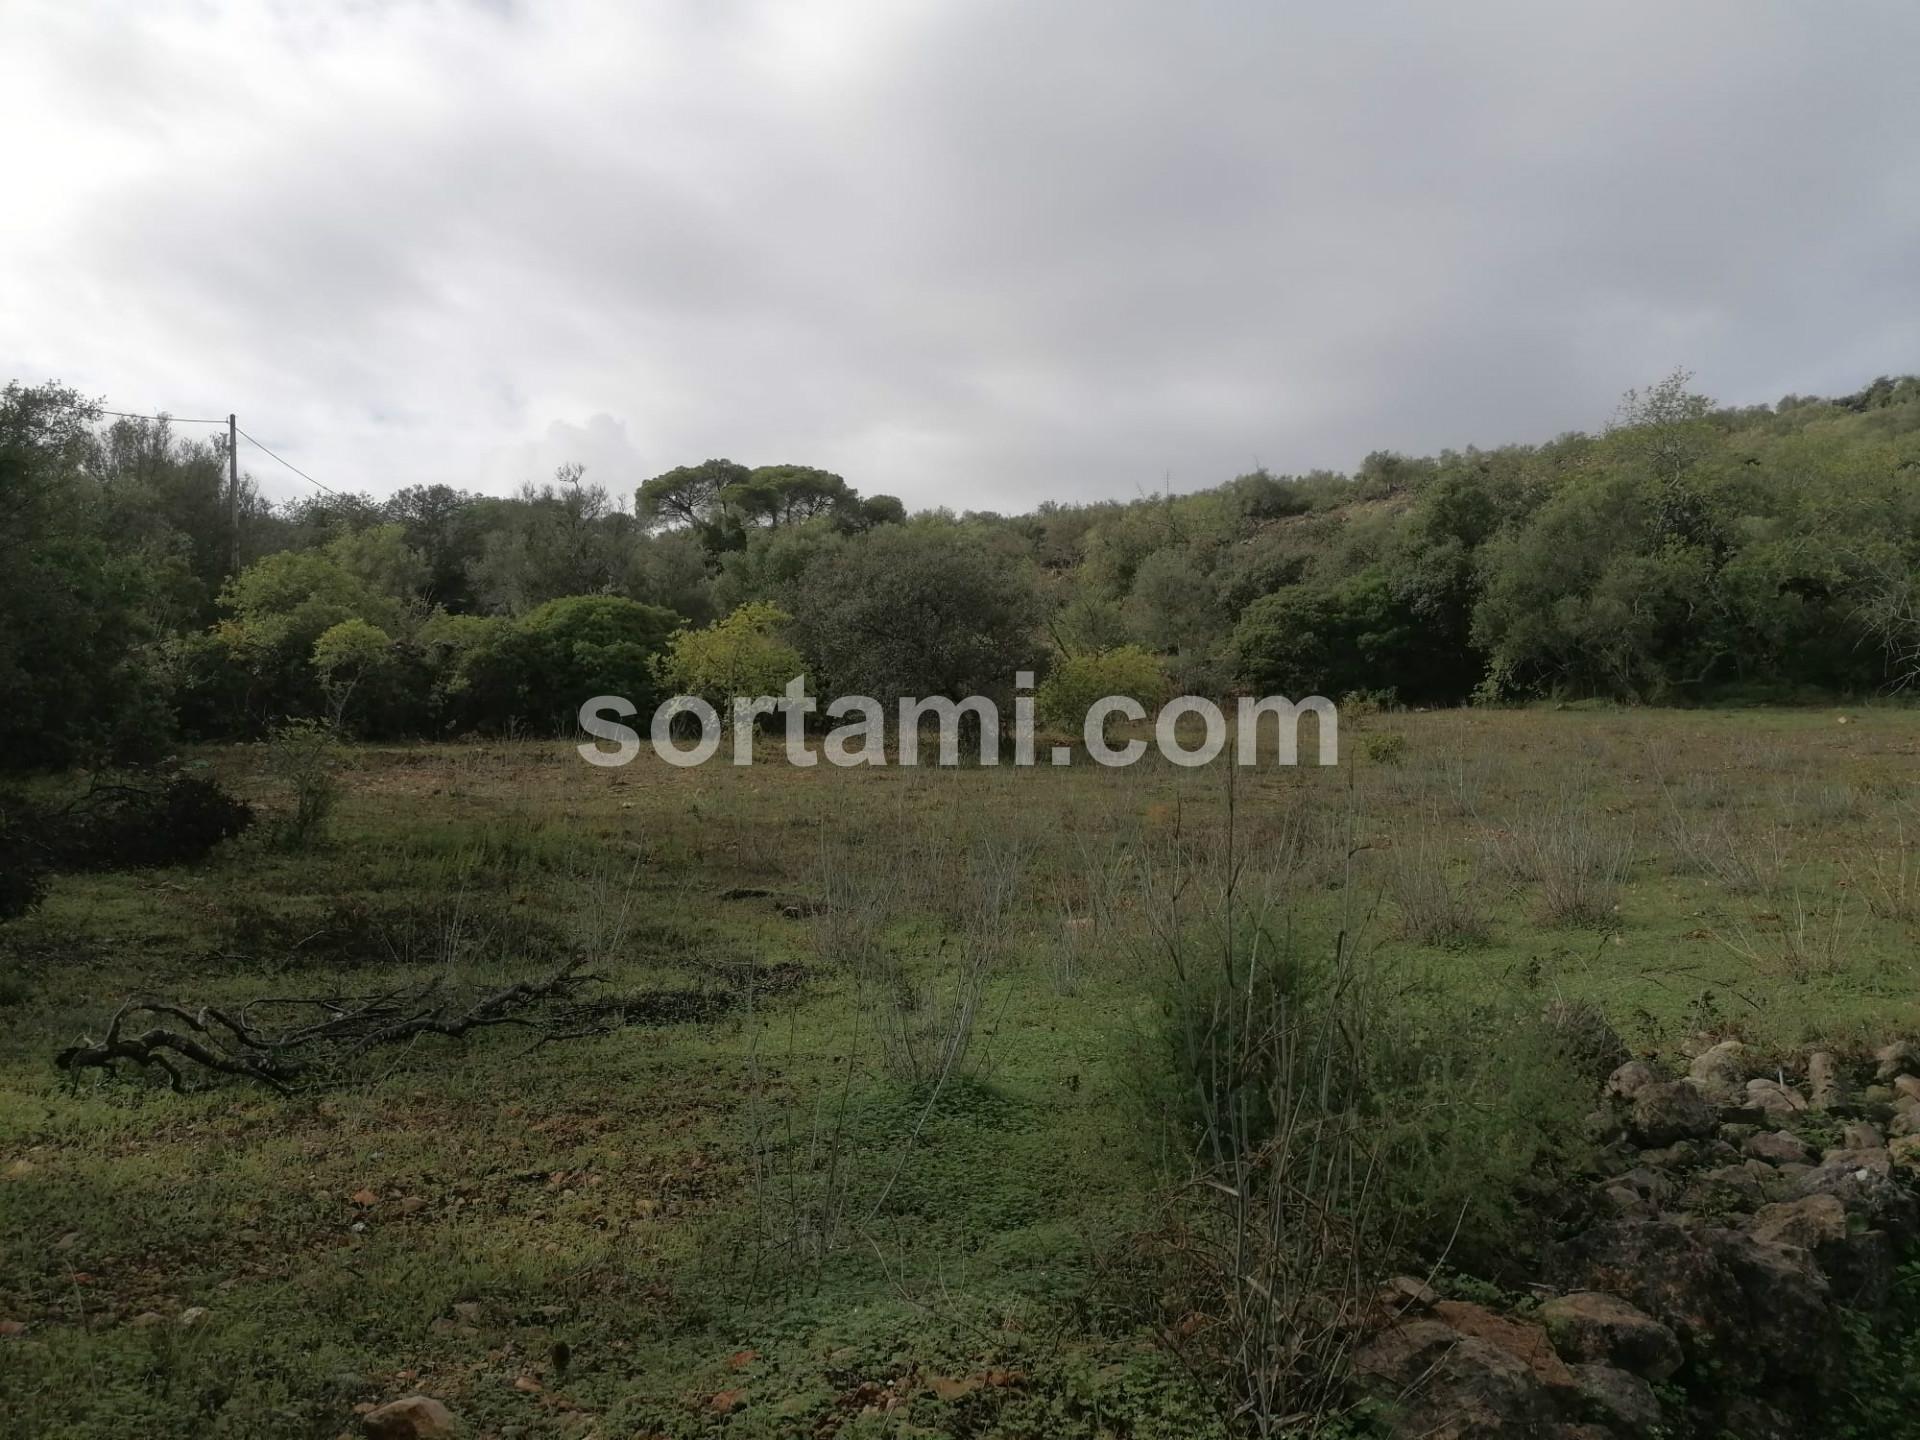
(290, 1043)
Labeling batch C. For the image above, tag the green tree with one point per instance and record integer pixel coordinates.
(1077, 681)
(692, 496)
(348, 657)
(562, 539)
(924, 609)
(78, 660)
(777, 495)
(740, 655)
(567, 651)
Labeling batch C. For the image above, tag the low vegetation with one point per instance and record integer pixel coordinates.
(962, 1102)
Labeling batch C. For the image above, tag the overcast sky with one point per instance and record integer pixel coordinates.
(970, 253)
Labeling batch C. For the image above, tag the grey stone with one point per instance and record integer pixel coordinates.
(1720, 1072)
(1774, 1097)
(1827, 1087)
(1626, 1400)
(1664, 1112)
(412, 1417)
(1863, 1181)
(1902, 1057)
(1592, 1326)
(1777, 1147)
(1630, 1079)
(1862, 1135)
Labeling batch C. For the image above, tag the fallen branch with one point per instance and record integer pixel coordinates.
(313, 1040)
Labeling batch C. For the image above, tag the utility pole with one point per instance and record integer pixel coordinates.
(233, 495)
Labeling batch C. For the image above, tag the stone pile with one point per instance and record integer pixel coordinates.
(1735, 1211)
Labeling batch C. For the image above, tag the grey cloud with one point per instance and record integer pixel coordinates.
(974, 254)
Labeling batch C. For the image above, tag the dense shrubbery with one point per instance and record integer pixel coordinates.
(1685, 551)
(1077, 681)
(23, 865)
(1451, 1117)
(133, 824)
(1324, 1126)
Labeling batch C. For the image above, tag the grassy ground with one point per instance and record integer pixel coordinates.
(755, 1209)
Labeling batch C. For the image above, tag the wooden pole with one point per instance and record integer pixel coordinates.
(233, 495)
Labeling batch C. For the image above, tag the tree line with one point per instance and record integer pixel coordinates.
(1682, 552)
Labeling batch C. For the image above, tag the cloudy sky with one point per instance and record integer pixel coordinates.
(975, 252)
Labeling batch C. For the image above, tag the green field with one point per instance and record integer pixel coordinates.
(867, 1127)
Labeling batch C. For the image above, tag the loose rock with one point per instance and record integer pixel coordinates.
(1664, 1112)
(413, 1417)
(1592, 1326)
(1406, 1292)
(1777, 1147)
(1902, 1057)
(1858, 1264)
(1526, 1343)
(1626, 1400)
(1450, 1386)
(1720, 1072)
(1630, 1079)
(1862, 1135)
(1827, 1087)
(1775, 1098)
(1863, 1181)
(1745, 1186)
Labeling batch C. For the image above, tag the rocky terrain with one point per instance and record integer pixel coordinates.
(1703, 1279)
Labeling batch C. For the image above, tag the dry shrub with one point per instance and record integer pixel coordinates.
(1433, 906)
(926, 995)
(1889, 879)
(1579, 859)
(1741, 864)
(1804, 942)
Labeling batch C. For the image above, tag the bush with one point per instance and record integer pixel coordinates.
(1079, 680)
(123, 826)
(470, 689)
(23, 879)
(740, 655)
(1434, 908)
(1385, 747)
(132, 827)
(567, 651)
(1447, 1117)
(348, 657)
(929, 608)
(304, 756)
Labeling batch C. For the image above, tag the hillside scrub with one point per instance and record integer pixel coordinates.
(1684, 552)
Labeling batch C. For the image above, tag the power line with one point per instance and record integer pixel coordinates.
(130, 415)
(189, 420)
(171, 419)
(290, 465)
